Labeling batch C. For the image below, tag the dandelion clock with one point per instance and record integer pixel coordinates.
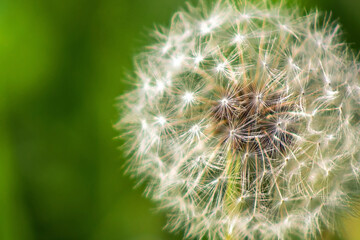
(243, 122)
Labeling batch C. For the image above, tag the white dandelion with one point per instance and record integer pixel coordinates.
(245, 122)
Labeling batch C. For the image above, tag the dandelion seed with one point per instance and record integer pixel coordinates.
(245, 17)
(177, 61)
(238, 38)
(160, 120)
(146, 87)
(160, 86)
(144, 124)
(205, 28)
(220, 67)
(224, 102)
(198, 59)
(188, 97)
(166, 48)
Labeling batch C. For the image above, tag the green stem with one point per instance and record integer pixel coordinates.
(231, 190)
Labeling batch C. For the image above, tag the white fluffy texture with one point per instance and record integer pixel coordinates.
(209, 90)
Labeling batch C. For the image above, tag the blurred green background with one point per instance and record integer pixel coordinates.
(62, 64)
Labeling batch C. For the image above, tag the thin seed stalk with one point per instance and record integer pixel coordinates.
(233, 166)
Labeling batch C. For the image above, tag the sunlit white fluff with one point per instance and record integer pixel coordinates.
(244, 122)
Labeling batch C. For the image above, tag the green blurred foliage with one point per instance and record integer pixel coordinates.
(62, 65)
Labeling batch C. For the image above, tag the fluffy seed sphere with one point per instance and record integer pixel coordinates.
(244, 122)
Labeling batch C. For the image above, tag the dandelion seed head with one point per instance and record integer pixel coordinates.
(245, 122)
